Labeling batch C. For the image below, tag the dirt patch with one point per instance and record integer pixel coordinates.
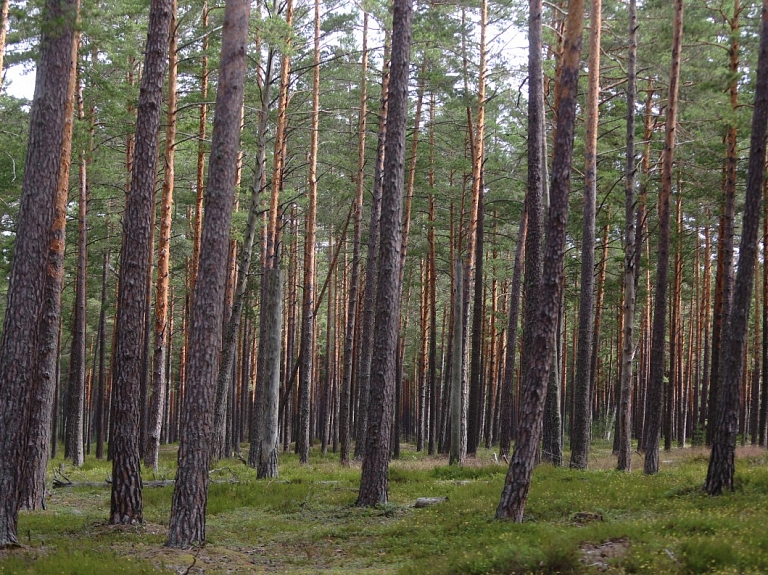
(600, 557)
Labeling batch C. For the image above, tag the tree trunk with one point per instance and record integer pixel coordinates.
(101, 406)
(162, 333)
(510, 372)
(630, 259)
(371, 270)
(38, 444)
(126, 503)
(374, 478)
(307, 352)
(77, 367)
(652, 430)
(721, 462)
(354, 280)
(201, 135)
(585, 378)
(25, 303)
(3, 22)
(518, 480)
(187, 524)
(224, 377)
(456, 455)
(272, 314)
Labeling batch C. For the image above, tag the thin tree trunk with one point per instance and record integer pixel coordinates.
(349, 333)
(374, 478)
(371, 270)
(3, 23)
(518, 480)
(162, 333)
(652, 430)
(308, 313)
(201, 135)
(25, 303)
(187, 523)
(585, 377)
(101, 407)
(721, 462)
(630, 259)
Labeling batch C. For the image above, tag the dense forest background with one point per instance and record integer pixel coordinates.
(311, 147)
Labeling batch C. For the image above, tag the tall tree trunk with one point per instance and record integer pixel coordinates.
(518, 480)
(585, 379)
(126, 505)
(101, 406)
(763, 432)
(38, 444)
(721, 462)
(456, 455)
(510, 371)
(201, 135)
(652, 431)
(272, 314)
(162, 333)
(354, 280)
(77, 367)
(630, 259)
(190, 495)
(25, 303)
(371, 269)
(224, 377)
(308, 313)
(374, 478)
(474, 257)
(725, 281)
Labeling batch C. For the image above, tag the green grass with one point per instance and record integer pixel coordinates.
(306, 522)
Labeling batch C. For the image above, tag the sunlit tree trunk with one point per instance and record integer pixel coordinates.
(518, 479)
(25, 296)
(162, 333)
(585, 379)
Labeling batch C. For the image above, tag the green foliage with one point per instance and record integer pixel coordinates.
(65, 562)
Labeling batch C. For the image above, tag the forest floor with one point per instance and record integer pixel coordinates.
(595, 521)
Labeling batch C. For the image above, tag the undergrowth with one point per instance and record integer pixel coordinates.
(307, 522)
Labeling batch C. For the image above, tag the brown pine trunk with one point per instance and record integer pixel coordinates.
(721, 462)
(371, 269)
(102, 409)
(510, 373)
(187, 524)
(656, 379)
(162, 333)
(630, 258)
(354, 280)
(20, 339)
(585, 376)
(518, 480)
(201, 146)
(272, 314)
(310, 220)
(374, 478)
(126, 503)
(38, 444)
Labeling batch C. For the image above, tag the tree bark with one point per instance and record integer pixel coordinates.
(374, 478)
(354, 280)
(272, 314)
(3, 23)
(126, 502)
(721, 463)
(652, 431)
(630, 270)
(162, 333)
(518, 480)
(582, 413)
(306, 371)
(25, 296)
(187, 524)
